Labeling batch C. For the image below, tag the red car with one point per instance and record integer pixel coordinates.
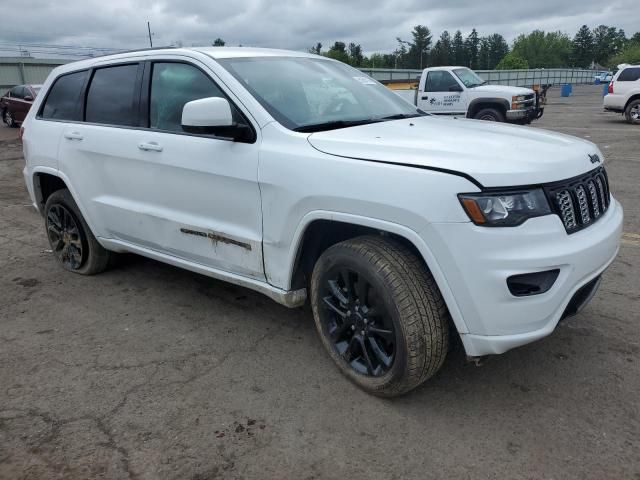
(15, 104)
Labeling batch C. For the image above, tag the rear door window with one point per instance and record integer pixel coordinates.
(63, 100)
(629, 75)
(111, 96)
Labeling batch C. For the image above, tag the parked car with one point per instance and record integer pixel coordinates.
(460, 91)
(296, 176)
(624, 93)
(15, 104)
(603, 77)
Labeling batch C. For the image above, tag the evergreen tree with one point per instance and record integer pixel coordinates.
(483, 54)
(458, 51)
(582, 48)
(472, 45)
(418, 47)
(338, 51)
(218, 42)
(441, 53)
(497, 48)
(355, 54)
(317, 49)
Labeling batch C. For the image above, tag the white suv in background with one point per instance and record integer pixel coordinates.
(296, 176)
(624, 93)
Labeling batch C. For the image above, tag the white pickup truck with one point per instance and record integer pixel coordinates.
(460, 91)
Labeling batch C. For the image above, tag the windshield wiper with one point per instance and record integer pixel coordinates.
(400, 116)
(323, 126)
(474, 85)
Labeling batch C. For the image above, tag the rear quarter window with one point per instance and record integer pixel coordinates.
(629, 75)
(63, 99)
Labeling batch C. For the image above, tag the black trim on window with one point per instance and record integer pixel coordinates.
(141, 99)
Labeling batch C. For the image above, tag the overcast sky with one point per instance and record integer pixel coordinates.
(294, 24)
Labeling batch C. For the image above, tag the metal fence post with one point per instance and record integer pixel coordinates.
(21, 72)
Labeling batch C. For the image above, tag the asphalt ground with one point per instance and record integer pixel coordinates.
(151, 372)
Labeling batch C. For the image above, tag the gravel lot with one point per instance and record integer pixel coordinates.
(151, 372)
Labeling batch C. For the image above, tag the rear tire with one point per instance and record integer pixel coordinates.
(71, 240)
(8, 118)
(401, 309)
(632, 112)
(490, 115)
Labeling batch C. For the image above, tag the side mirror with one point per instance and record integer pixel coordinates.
(28, 98)
(212, 116)
(455, 88)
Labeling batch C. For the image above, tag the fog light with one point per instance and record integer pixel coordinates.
(529, 284)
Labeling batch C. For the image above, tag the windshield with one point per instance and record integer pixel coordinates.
(301, 92)
(468, 77)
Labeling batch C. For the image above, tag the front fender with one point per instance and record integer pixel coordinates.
(386, 226)
(473, 104)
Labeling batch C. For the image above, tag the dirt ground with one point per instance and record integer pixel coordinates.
(151, 372)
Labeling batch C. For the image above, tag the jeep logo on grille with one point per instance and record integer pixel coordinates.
(594, 158)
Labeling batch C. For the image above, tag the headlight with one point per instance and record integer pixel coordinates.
(518, 102)
(508, 209)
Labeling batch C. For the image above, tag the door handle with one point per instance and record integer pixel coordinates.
(424, 97)
(73, 136)
(153, 146)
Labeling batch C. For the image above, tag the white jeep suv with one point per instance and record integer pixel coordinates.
(297, 176)
(624, 93)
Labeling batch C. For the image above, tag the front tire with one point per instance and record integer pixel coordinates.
(632, 112)
(490, 115)
(379, 314)
(71, 240)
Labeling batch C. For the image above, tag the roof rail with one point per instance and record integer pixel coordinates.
(137, 50)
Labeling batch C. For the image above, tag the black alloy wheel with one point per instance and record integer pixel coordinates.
(379, 314)
(357, 322)
(65, 237)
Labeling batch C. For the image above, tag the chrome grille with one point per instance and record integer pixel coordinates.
(594, 199)
(580, 201)
(567, 213)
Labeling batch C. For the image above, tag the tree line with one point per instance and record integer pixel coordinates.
(602, 46)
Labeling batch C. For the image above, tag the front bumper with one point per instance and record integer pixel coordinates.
(476, 262)
(522, 115)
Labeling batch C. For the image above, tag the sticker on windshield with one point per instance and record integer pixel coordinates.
(365, 80)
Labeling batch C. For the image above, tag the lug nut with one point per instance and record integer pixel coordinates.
(353, 327)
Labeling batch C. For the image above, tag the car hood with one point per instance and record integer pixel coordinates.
(501, 89)
(493, 154)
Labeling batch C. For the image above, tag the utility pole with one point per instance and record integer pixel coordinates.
(149, 30)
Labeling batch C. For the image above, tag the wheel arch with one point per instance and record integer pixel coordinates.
(631, 99)
(320, 230)
(45, 182)
(479, 103)
(55, 178)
